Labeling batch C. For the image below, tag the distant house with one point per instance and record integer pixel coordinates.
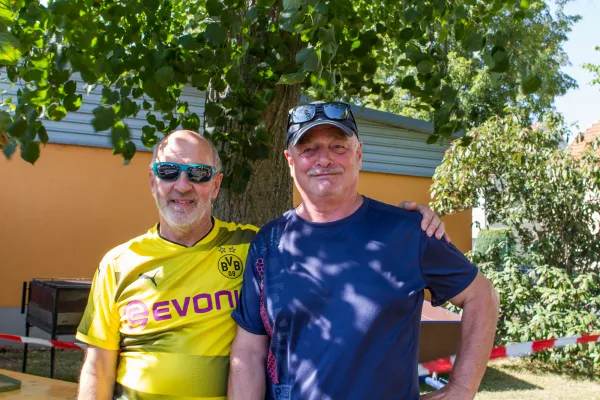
(578, 145)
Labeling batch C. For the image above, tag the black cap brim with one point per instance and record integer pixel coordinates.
(302, 131)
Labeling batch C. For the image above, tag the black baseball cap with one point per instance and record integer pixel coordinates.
(305, 117)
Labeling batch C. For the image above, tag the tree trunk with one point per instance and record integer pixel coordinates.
(269, 191)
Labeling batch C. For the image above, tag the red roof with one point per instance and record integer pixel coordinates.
(578, 145)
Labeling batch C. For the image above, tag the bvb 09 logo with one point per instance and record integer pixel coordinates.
(230, 266)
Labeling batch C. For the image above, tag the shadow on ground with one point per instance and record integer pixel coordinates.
(571, 372)
(494, 380)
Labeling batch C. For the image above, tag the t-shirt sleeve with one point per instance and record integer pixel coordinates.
(248, 313)
(100, 323)
(446, 270)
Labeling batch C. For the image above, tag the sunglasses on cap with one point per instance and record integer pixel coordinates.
(305, 117)
(337, 111)
(196, 173)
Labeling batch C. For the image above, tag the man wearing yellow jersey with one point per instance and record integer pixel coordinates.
(158, 319)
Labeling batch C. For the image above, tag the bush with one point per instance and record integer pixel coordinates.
(547, 278)
(489, 237)
(541, 302)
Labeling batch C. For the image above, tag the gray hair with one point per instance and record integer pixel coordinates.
(216, 159)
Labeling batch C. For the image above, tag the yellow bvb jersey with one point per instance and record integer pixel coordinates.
(167, 309)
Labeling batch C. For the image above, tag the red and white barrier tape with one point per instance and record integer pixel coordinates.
(49, 343)
(510, 350)
(439, 366)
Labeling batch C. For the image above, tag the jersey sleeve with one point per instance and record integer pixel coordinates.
(248, 313)
(446, 271)
(100, 323)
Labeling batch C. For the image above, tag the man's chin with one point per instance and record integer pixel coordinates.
(181, 220)
(325, 191)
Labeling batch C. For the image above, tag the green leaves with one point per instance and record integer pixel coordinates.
(307, 59)
(9, 148)
(497, 60)
(7, 16)
(191, 122)
(9, 49)
(18, 128)
(120, 139)
(369, 66)
(30, 151)
(406, 34)
(212, 110)
(292, 79)
(265, 3)
(425, 67)
(143, 53)
(531, 84)
(290, 20)
(119, 135)
(290, 4)
(328, 40)
(474, 42)
(104, 118)
(215, 34)
(164, 76)
(5, 120)
(214, 8)
(56, 112)
(408, 83)
(200, 80)
(72, 102)
(149, 138)
(70, 87)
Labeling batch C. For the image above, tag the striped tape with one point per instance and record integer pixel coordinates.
(437, 366)
(510, 350)
(43, 342)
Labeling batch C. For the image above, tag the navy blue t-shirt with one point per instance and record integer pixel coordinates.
(342, 301)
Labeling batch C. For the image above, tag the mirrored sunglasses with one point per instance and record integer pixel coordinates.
(168, 171)
(335, 110)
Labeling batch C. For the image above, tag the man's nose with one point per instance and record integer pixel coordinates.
(183, 184)
(324, 157)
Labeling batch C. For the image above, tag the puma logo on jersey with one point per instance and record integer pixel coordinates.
(151, 278)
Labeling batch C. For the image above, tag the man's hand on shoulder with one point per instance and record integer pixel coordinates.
(431, 224)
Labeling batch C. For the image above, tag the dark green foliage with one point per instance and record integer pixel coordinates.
(546, 267)
(539, 301)
(490, 237)
(519, 60)
(143, 51)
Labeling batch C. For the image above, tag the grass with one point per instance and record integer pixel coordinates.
(518, 379)
(67, 363)
(505, 380)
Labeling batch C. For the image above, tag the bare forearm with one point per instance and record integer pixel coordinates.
(247, 380)
(98, 375)
(478, 328)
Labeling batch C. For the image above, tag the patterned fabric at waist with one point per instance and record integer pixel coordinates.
(171, 375)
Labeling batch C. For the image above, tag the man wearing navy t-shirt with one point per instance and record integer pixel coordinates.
(333, 290)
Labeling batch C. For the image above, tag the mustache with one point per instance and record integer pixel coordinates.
(324, 171)
(182, 196)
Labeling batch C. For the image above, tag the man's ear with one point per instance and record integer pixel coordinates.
(359, 151)
(151, 179)
(289, 158)
(216, 181)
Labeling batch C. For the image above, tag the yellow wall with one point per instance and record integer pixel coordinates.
(62, 215)
(59, 217)
(393, 189)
